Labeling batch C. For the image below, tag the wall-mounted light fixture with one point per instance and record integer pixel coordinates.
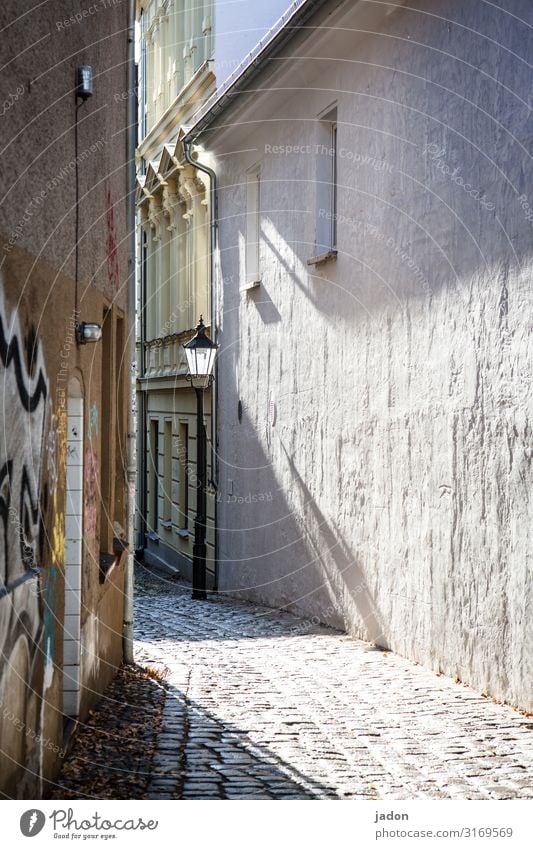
(87, 332)
(84, 81)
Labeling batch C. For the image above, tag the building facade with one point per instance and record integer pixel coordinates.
(63, 416)
(184, 48)
(374, 371)
(174, 208)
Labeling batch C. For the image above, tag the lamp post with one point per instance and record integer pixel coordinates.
(200, 353)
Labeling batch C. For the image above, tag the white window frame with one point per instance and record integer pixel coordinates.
(334, 185)
(326, 183)
(252, 259)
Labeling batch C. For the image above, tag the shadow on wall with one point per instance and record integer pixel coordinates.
(276, 546)
(287, 555)
(347, 576)
(397, 467)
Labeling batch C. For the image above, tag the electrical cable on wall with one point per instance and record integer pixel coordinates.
(84, 90)
(85, 332)
(77, 213)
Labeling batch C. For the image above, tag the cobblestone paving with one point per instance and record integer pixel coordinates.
(260, 706)
(112, 751)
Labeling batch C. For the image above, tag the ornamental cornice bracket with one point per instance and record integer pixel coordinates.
(177, 163)
(189, 187)
(183, 196)
(144, 216)
(171, 201)
(200, 181)
(154, 217)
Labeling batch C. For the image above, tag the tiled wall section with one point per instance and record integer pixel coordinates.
(71, 647)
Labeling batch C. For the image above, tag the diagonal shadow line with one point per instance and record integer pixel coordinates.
(242, 761)
(338, 549)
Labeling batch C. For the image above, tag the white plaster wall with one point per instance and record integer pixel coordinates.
(391, 496)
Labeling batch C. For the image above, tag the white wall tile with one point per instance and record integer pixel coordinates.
(72, 551)
(71, 653)
(72, 627)
(71, 702)
(71, 677)
(74, 477)
(74, 503)
(73, 577)
(72, 602)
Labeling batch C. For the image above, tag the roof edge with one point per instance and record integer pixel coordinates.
(280, 34)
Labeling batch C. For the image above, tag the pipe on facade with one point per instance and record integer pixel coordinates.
(141, 402)
(131, 350)
(187, 145)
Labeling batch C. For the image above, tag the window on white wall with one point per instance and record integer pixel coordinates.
(326, 183)
(334, 212)
(253, 221)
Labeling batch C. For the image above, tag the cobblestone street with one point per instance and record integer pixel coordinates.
(260, 705)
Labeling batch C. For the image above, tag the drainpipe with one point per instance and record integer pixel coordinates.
(131, 352)
(212, 253)
(141, 404)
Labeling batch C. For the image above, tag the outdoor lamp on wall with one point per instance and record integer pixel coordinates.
(87, 332)
(84, 81)
(200, 353)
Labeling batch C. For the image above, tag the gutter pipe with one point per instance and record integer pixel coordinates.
(130, 347)
(213, 206)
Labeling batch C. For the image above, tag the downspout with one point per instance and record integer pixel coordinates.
(212, 254)
(141, 403)
(131, 350)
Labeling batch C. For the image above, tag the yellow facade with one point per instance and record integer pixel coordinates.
(174, 212)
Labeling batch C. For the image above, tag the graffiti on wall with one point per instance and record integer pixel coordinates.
(51, 455)
(24, 405)
(23, 412)
(90, 513)
(93, 422)
(49, 625)
(111, 244)
(57, 466)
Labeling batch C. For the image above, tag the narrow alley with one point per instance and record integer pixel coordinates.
(263, 705)
(266, 421)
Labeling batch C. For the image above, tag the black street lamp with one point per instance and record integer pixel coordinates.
(200, 352)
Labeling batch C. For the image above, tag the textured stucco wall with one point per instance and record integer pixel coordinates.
(37, 239)
(41, 50)
(391, 494)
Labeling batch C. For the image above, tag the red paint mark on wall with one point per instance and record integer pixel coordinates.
(111, 244)
(91, 493)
